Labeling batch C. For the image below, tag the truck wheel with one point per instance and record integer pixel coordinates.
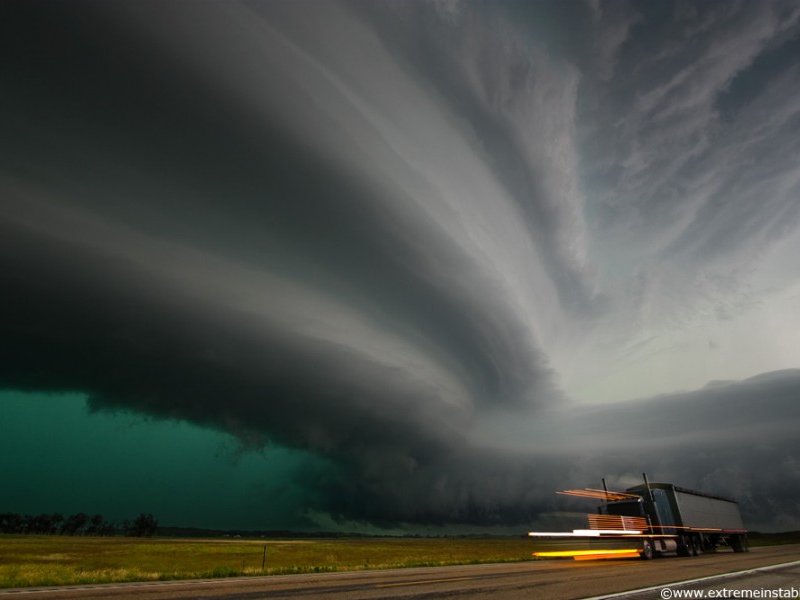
(647, 550)
(711, 544)
(736, 543)
(697, 546)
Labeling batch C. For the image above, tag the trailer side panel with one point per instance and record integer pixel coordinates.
(703, 511)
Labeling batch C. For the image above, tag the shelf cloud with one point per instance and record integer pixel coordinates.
(463, 258)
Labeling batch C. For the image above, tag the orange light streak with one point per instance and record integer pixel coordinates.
(598, 494)
(616, 522)
(627, 554)
(589, 554)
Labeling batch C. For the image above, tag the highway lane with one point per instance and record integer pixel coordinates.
(779, 581)
(543, 580)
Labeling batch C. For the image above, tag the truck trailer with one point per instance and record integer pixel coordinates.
(649, 520)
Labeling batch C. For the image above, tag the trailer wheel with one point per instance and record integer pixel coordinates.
(647, 552)
(685, 549)
(697, 546)
(737, 544)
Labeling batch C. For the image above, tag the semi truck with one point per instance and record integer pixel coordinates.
(649, 520)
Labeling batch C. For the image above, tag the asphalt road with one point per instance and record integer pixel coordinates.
(766, 582)
(542, 580)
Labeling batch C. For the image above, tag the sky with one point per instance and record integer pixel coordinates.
(397, 266)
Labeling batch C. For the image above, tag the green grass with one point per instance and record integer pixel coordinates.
(39, 560)
(56, 560)
(773, 539)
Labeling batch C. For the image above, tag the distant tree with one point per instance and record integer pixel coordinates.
(75, 524)
(108, 528)
(145, 525)
(98, 525)
(56, 522)
(42, 523)
(12, 523)
(78, 524)
(95, 526)
(25, 524)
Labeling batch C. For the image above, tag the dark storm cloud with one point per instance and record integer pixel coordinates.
(736, 438)
(173, 248)
(352, 229)
(495, 79)
(701, 90)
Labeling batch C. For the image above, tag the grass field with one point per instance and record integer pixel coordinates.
(58, 560)
(35, 560)
(773, 539)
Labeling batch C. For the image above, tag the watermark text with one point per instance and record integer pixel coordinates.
(669, 593)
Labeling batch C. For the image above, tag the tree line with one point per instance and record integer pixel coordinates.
(145, 525)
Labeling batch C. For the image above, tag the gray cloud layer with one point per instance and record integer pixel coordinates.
(376, 232)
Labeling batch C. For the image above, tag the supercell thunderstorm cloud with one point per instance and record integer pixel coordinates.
(465, 253)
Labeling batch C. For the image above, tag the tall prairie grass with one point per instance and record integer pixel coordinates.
(40, 560)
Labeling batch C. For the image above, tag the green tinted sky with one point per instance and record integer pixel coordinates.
(56, 456)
